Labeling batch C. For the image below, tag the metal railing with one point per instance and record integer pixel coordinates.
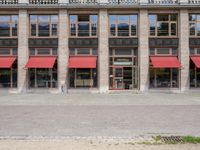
(43, 2)
(8, 1)
(194, 1)
(163, 1)
(123, 1)
(83, 1)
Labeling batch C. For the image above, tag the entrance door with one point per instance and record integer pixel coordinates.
(118, 78)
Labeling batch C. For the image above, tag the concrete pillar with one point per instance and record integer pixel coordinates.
(63, 51)
(143, 50)
(23, 29)
(103, 51)
(184, 49)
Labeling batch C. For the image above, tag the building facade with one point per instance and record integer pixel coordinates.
(99, 45)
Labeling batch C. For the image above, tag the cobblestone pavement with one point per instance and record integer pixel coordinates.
(104, 115)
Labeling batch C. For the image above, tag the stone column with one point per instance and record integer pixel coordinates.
(143, 50)
(184, 49)
(23, 29)
(103, 51)
(63, 51)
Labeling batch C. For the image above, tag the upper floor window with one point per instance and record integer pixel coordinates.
(43, 51)
(123, 25)
(83, 25)
(163, 52)
(163, 24)
(8, 51)
(194, 51)
(43, 25)
(8, 25)
(83, 51)
(194, 23)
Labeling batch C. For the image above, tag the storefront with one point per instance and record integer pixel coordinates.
(42, 68)
(195, 68)
(164, 69)
(83, 68)
(123, 68)
(8, 71)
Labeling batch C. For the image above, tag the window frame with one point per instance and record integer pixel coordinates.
(11, 22)
(117, 23)
(37, 22)
(169, 25)
(196, 22)
(90, 22)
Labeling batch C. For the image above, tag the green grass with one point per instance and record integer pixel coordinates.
(191, 139)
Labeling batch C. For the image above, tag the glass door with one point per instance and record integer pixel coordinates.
(118, 78)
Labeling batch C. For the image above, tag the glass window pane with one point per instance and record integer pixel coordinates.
(198, 29)
(192, 28)
(43, 18)
(123, 52)
(4, 29)
(31, 51)
(43, 51)
(83, 29)
(5, 52)
(33, 29)
(152, 22)
(123, 25)
(93, 18)
(174, 51)
(192, 51)
(163, 29)
(198, 17)
(54, 18)
(94, 51)
(5, 81)
(112, 20)
(163, 51)
(94, 29)
(43, 29)
(175, 78)
(71, 51)
(14, 18)
(14, 29)
(133, 25)
(14, 51)
(54, 51)
(192, 17)
(4, 18)
(73, 21)
(152, 51)
(54, 29)
(173, 17)
(173, 28)
(163, 17)
(43, 78)
(33, 18)
(163, 78)
(83, 51)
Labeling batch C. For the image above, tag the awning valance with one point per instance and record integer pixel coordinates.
(196, 60)
(82, 62)
(41, 62)
(165, 62)
(7, 61)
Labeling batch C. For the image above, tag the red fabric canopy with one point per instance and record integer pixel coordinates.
(7, 61)
(41, 62)
(196, 60)
(82, 62)
(165, 62)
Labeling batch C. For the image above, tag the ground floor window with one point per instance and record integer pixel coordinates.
(164, 78)
(194, 76)
(8, 77)
(42, 77)
(83, 77)
(123, 70)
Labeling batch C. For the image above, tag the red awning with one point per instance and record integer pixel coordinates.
(41, 62)
(82, 62)
(165, 62)
(7, 61)
(196, 60)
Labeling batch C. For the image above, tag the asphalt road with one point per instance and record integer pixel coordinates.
(100, 120)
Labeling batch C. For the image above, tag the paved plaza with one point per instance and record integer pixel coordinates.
(122, 115)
